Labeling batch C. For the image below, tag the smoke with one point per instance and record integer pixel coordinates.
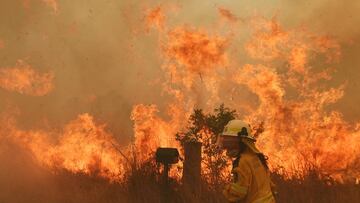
(23, 180)
(101, 56)
(105, 61)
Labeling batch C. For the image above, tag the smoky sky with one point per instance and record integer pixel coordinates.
(104, 60)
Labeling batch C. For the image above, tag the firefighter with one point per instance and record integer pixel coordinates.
(251, 178)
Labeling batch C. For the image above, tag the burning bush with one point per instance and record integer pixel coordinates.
(205, 128)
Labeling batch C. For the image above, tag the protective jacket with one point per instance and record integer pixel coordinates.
(251, 183)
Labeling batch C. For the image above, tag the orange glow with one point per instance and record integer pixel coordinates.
(192, 52)
(300, 131)
(25, 80)
(151, 131)
(156, 18)
(298, 59)
(195, 49)
(2, 44)
(268, 40)
(292, 103)
(82, 147)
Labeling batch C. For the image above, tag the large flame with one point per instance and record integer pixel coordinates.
(298, 128)
(189, 54)
(82, 146)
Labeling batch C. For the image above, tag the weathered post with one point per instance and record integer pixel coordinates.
(192, 168)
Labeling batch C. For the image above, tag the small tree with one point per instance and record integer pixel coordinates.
(205, 128)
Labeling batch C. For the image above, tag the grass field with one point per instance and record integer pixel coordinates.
(23, 181)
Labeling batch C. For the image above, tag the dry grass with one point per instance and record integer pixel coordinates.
(144, 185)
(23, 181)
(315, 188)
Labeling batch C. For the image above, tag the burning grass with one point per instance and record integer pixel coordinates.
(142, 180)
(33, 184)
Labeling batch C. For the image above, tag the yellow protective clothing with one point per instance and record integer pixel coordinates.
(252, 182)
(250, 144)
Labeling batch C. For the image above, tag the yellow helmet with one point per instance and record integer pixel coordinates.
(238, 128)
(235, 131)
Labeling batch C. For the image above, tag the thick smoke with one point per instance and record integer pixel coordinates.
(104, 61)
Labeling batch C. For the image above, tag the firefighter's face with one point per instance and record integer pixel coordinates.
(235, 150)
(230, 144)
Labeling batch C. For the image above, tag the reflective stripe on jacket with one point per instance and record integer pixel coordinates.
(253, 184)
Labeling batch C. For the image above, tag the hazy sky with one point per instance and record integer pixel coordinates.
(104, 62)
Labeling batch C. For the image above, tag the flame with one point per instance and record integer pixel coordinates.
(292, 101)
(156, 18)
(299, 129)
(151, 131)
(195, 49)
(268, 40)
(189, 54)
(25, 80)
(82, 147)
